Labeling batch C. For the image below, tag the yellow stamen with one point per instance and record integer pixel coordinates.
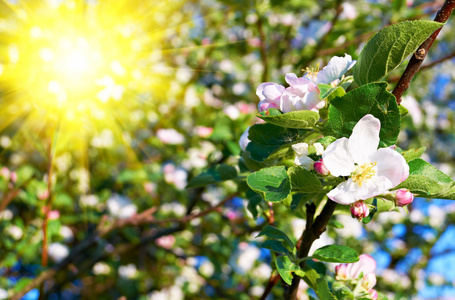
(313, 72)
(364, 173)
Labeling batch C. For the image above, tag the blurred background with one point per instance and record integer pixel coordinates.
(109, 109)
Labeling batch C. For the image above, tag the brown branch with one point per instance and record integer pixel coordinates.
(311, 233)
(274, 279)
(414, 64)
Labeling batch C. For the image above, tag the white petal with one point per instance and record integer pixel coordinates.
(304, 161)
(345, 193)
(391, 165)
(319, 148)
(313, 102)
(300, 148)
(364, 139)
(365, 265)
(337, 158)
(266, 86)
(273, 92)
(336, 68)
(349, 191)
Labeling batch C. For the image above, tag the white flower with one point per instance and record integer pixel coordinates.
(372, 171)
(319, 148)
(128, 271)
(302, 94)
(301, 156)
(334, 70)
(101, 268)
(58, 252)
(121, 207)
(170, 136)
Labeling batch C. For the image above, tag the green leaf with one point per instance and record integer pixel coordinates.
(272, 183)
(336, 254)
(21, 284)
(428, 182)
(326, 141)
(267, 138)
(373, 98)
(403, 110)
(389, 47)
(253, 204)
(372, 212)
(311, 277)
(342, 292)
(413, 153)
(215, 174)
(323, 290)
(326, 90)
(285, 268)
(276, 234)
(303, 180)
(276, 246)
(295, 119)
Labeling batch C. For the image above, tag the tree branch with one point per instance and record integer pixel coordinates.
(416, 60)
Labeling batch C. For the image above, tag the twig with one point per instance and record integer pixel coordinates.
(311, 233)
(416, 60)
(274, 278)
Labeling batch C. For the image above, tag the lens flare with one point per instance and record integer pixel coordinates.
(80, 66)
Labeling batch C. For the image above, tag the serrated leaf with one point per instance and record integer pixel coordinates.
(389, 47)
(268, 138)
(428, 182)
(276, 234)
(272, 183)
(216, 174)
(336, 254)
(300, 119)
(413, 153)
(275, 246)
(286, 267)
(303, 180)
(323, 290)
(373, 98)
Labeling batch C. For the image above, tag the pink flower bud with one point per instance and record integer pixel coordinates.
(53, 215)
(4, 172)
(43, 195)
(264, 105)
(403, 197)
(359, 210)
(373, 294)
(321, 168)
(368, 281)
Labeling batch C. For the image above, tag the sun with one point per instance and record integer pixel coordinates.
(80, 66)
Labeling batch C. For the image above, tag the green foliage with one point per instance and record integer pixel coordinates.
(428, 182)
(269, 140)
(215, 174)
(272, 183)
(373, 98)
(389, 47)
(336, 254)
(295, 119)
(413, 153)
(323, 290)
(342, 292)
(276, 234)
(303, 180)
(286, 268)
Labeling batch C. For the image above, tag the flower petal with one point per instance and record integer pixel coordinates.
(269, 91)
(364, 139)
(373, 187)
(300, 148)
(337, 158)
(366, 264)
(304, 161)
(345, 193)
(391, 165)
(336, 68)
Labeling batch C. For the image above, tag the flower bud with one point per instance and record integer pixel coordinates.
(264, 105)
(373, 294)
(321, 168)
(403, 197)
(359, 210)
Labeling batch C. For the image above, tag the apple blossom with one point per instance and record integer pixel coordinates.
(371, 171)
(244, 140)
(352, 271)
(269, 94)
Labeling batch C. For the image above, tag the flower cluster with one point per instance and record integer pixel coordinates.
(303, 92)
(361, 274)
